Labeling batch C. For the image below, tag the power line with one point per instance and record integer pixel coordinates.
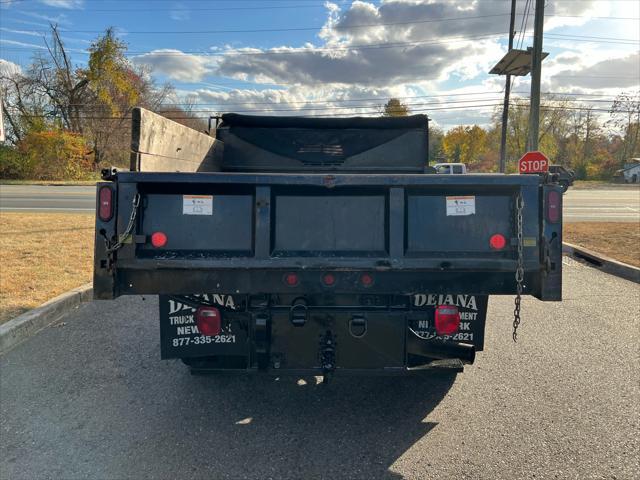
(374, 99)
(331, 105)
(298, 50)
(372, 108)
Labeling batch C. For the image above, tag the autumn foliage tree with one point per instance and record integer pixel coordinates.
(395, 108)
(81, 108)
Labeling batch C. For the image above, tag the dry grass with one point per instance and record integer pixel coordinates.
(617, 240)
(42, 255)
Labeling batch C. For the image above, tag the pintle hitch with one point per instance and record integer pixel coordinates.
(327, 355)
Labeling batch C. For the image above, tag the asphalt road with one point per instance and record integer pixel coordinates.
(90, 398)
(48, 198)
(592, 205)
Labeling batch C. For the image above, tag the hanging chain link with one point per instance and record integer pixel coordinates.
(519, 267)
(122, 238)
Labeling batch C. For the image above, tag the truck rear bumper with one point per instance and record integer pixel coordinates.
(380, 335)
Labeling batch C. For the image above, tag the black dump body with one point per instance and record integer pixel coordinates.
(294, 144)
(301, 199)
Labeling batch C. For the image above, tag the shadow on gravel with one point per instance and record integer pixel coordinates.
(292, 428)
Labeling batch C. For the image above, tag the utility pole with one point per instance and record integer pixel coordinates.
(507, 92)
(536, 70)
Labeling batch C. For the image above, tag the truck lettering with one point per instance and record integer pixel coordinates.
(181, 319)
(175, 307)
(190, 330)
(464, 301)
(217, 299)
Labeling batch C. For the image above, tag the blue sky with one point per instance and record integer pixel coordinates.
(292, 56)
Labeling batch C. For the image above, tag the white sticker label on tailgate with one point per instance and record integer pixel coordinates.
(462, 205)
(197, 204)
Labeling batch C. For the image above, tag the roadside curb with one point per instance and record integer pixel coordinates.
(606, 264)
(22, 327)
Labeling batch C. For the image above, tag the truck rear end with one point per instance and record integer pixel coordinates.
(294, 257)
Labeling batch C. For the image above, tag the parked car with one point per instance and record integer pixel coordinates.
(450, 168)
(565, 176)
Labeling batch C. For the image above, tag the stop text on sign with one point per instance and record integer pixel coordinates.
(533, 162)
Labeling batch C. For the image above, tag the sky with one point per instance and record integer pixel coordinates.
(309, 57)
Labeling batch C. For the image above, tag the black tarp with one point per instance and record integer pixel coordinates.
(277, 144)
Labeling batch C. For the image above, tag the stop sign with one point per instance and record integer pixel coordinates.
(533, 162)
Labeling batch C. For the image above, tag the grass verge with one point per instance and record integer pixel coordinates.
(617, 240)
(42, 255)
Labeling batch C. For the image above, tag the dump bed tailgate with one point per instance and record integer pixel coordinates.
(244, 232)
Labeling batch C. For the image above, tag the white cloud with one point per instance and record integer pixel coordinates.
(180, 13)
(68, 4)
(621, 72)
(176, 64)
(60, 18)
(422, 41)
(22, 32)
(409, 49)
(8, 68)
(22, 44)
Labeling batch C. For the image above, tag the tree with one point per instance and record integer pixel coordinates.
(625, 119)
(436, 136)
(395, 108)
(115, 87)
(94, 102)
(465, 144)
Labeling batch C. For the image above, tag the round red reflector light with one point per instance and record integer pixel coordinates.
(329, 279)
(497, 241)
(158, 239)
(366, 280)
(291, 279)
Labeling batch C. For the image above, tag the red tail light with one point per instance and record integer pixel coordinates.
(366, 280)
(554, 206)
(447, 319)
(158, 239)
(105, 205)
(291, 279)
(497, 241)
(329, 279)
(208, 321)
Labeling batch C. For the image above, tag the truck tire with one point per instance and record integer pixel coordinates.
(565, 185)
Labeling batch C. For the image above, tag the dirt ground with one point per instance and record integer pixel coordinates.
(617, 240)
(42, 255)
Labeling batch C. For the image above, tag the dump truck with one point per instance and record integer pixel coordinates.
(319, 246)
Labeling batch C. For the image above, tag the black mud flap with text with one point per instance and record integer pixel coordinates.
(179, 335)
(473, 315)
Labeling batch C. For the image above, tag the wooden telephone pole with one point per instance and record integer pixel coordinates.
(507, 93)
(536, 70)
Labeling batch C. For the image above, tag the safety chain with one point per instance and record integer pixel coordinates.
(122, 238)
(519, 267)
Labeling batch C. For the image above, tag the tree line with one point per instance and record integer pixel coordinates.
(595, 146)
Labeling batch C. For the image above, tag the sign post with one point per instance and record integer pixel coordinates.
(533, 162)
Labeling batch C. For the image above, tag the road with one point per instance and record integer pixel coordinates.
(47, 198)
(592, 205)
(90, 398)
